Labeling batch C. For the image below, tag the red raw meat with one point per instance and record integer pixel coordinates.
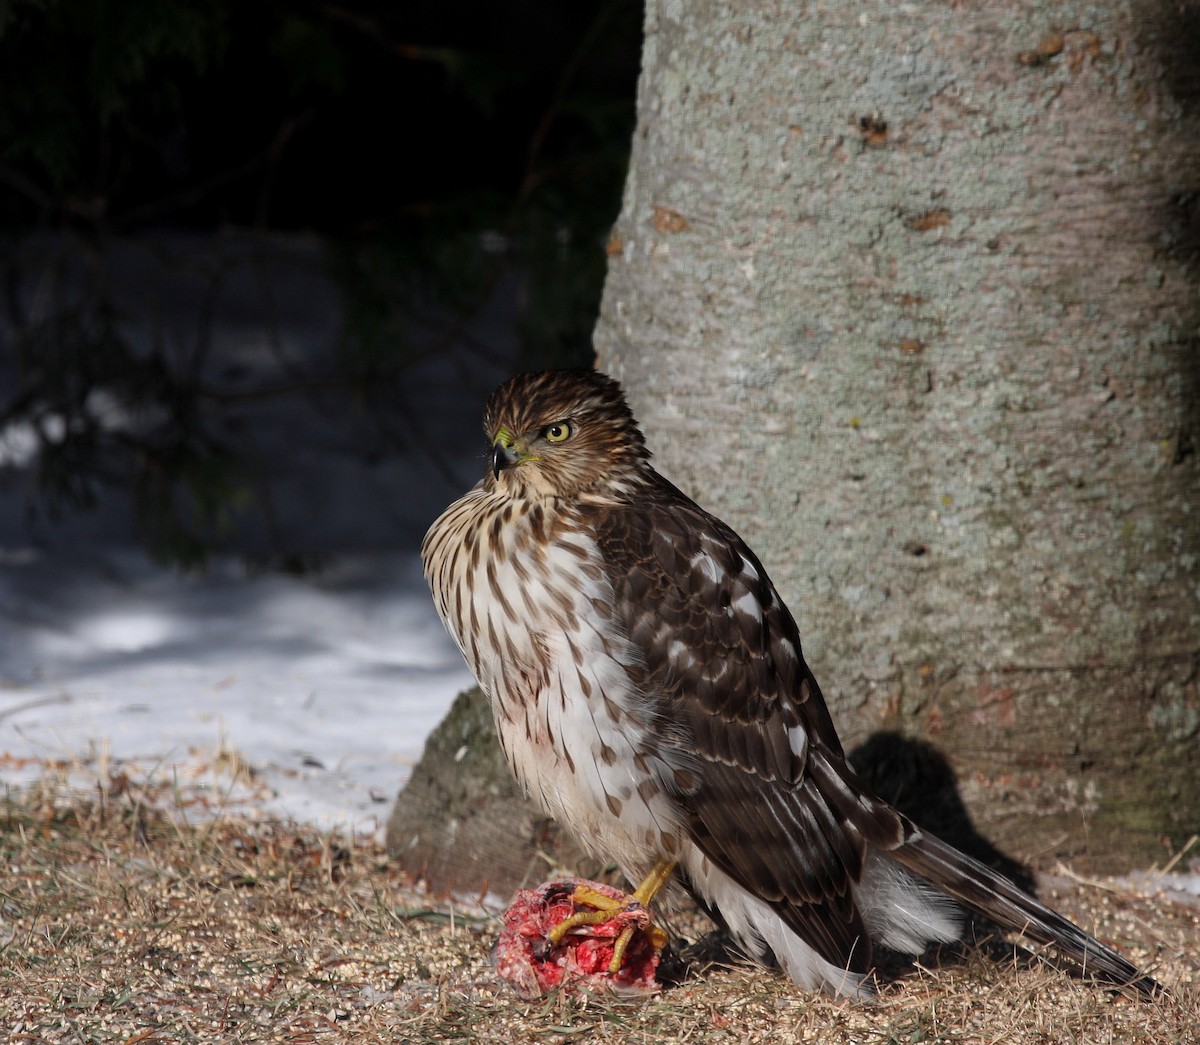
(527, 959)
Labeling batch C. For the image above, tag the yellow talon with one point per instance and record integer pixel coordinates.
(584, 895)
(658, 940)
(605, 907)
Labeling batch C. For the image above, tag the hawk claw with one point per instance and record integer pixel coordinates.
(578, 935)
(656, 936)
(604, 909)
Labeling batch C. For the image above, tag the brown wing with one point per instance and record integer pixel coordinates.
(771, 794)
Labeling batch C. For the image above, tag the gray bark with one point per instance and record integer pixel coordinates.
(907, 293)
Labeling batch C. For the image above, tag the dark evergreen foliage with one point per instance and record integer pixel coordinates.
(444, 153)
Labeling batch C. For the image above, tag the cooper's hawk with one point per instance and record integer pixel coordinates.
(650, 694)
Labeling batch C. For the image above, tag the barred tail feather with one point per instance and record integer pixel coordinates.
(985, 891)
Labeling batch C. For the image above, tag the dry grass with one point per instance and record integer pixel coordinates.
(118, 924)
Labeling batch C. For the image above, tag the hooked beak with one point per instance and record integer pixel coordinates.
(504, 455)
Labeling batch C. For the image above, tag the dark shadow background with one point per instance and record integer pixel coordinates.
(434, 181)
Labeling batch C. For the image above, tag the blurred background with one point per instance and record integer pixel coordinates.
(262, 264)
(262, 261)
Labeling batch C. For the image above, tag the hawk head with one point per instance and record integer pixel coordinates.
(562, 433)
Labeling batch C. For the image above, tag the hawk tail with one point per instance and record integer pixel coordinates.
(990, 894)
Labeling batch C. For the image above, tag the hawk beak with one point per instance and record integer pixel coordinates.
(503, 456)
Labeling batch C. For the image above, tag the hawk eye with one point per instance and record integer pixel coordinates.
(559, 432)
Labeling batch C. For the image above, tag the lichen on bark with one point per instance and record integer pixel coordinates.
(924, 328)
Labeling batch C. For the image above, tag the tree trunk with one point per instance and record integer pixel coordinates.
(907, 293)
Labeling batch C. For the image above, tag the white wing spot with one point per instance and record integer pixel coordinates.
(707, 565)
(798, 741)
(749, 605)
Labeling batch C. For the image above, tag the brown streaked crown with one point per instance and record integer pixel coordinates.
(606, 447)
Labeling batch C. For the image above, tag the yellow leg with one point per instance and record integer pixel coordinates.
(604, 907)
(654, 881)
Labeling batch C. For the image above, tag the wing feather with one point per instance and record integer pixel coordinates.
(724, 654)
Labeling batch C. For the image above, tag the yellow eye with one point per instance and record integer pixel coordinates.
(559, 432)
